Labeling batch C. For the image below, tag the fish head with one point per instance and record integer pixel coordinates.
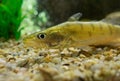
(49, 38)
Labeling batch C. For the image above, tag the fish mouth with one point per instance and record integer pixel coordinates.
(33, 44)
(29, 43)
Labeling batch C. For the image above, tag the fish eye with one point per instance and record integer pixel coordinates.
(41, 36)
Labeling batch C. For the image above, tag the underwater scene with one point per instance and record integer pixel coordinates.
(59, 40)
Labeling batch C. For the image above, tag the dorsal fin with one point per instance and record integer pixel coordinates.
(113, 18)
(75, 17)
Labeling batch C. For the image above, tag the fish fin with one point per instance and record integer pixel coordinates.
(75, 17)
(113, 18)
(112, 44)
(116, 43)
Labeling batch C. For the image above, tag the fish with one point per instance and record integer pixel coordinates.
(113, 18)
(74, 34)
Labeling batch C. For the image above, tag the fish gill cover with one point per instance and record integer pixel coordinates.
(10, 18)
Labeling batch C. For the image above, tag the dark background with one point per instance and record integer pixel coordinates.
(60, 10)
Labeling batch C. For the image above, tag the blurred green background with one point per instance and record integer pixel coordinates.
(10, 18)
(22, 17)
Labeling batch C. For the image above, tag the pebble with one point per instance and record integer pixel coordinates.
(70, 64)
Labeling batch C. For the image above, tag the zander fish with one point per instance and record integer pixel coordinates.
(75, 34)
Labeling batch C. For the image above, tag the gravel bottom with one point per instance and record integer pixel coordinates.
(20, 63)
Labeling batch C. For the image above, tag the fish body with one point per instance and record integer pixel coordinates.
(74, 34)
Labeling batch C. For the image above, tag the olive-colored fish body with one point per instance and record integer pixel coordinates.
(74, 34)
